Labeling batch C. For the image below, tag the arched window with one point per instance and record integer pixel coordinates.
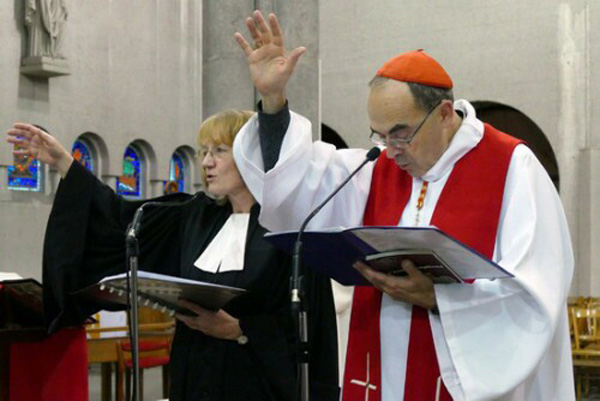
(328, 135)
(83, 152)
(519, 125)
(130, 183)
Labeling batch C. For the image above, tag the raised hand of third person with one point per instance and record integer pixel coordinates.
(39, 145)
(270, 68)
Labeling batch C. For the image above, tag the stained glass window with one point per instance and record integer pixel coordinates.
(177, 172)
(82, 153)
(130, 183)
(25, 174)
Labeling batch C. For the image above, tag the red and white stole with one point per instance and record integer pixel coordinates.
(468, 209)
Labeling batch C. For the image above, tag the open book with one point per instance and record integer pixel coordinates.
(161, 292)
(333, 251)
(425, 259)
(21, 303)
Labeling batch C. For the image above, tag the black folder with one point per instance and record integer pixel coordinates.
(161, 292)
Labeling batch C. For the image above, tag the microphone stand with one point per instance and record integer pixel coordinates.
(132, 252)
(298, 311)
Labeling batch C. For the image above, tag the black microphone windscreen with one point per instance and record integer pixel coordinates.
(373, 153)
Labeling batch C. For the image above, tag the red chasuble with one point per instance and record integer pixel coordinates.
(468, 209)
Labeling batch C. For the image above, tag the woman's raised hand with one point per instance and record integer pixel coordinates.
(269, 67)
(39, 145)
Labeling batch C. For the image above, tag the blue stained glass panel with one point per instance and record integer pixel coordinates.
(24, 174)
(177, 171)
(83, 154)
(129, 183)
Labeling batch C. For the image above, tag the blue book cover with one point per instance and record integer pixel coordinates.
(332, 252)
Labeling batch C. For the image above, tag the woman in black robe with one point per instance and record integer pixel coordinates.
(246, 351)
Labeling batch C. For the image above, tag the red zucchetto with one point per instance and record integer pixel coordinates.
(416, 66)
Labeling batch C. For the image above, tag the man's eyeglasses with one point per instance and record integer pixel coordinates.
(395, 140)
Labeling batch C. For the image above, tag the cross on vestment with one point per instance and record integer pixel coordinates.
(438, 388)
(367, 383)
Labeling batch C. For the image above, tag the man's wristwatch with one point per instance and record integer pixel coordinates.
(242, 340)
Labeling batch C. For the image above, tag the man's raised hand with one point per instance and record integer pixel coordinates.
(269, 67)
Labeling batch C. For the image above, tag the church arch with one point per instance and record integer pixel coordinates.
(96, 158)
(514, 122)
(329, 135)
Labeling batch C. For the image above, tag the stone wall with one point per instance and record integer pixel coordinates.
(136, 75)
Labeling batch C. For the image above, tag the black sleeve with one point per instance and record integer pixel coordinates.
(322, 331)
(272, 338)
(85, 241)
(268, 325)
(271, 131)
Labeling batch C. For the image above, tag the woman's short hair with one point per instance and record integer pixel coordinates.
(220, 129)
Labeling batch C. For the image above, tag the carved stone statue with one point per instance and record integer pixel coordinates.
(45, 21)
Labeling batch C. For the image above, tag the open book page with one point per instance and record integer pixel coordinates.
(9, 276)
(157, 277)
(22, 302)
(162, 292)
(465, 262)
(425, 260)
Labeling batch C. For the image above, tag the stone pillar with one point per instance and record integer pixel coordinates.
(300, 21)
(156, 188)
(587, 277)
(110, 180)
(4, 192)
(226, 80)
(52, 179)
(575, 155)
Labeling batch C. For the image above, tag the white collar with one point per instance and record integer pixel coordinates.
(466, 138)
(227, 250)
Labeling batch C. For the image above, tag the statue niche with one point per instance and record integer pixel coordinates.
(45, 22)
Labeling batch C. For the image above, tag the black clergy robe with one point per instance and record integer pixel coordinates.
(85, 242)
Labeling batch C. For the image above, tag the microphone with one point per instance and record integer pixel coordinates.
(296, 284)
(134, 226)
(372, 154)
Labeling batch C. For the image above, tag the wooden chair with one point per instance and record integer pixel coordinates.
(585, 347)
(152, 353)
(578, 301)
(153, 323)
